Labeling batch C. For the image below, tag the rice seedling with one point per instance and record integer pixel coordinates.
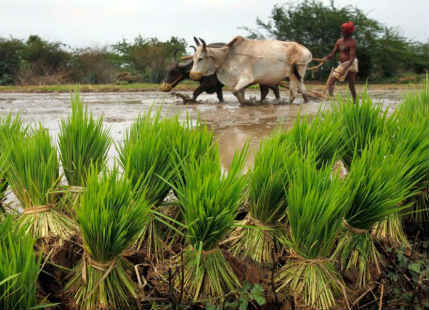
(361, 122)
(33, 175)
(210, 199)
(316, 201)
(83, 142)
(145, 156)
(379, 182)
(324, 134)
(110, 218)
(19, 267)
(11, 128)
(411, 137)
(187, 142)
(266, 201)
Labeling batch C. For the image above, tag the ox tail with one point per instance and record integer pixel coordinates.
(295, 72)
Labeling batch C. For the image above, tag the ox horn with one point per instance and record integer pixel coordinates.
(204, 43)
(186, 57)
(194, 48)
(197, 42)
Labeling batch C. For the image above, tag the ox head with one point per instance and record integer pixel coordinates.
(176, 72)
(204, 62)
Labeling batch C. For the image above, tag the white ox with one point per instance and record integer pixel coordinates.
(244, 62)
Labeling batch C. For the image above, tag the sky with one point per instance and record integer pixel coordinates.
(96, 23)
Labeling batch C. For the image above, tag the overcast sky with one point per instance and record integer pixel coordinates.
(81, 23)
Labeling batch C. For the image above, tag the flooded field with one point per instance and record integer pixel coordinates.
(232, 124)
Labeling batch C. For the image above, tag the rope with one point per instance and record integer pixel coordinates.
(207, 252)
(355, 230)
(103, 267)
(76, 189)
(38, 209)
(318, 260)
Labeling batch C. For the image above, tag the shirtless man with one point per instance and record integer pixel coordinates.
(348, 63)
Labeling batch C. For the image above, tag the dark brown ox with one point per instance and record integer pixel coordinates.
(179, 71)
(244, 62)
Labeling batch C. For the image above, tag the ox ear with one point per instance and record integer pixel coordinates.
(197, 42)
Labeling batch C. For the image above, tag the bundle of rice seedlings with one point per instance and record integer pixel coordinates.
(110, 218)
(11, 128)
(210, 199)
(266, 201)
(145, 156)
(83, 142)
(361, 122)
(316, 201)
(410, 139)
(19, 267)
(412, 131)
(33, 174)
(324, 134)
(187, 141)
(379, 182)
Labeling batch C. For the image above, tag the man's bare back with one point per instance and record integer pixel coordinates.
(348, 68)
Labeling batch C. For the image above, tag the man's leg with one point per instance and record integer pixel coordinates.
(352, 80)
(331, 84)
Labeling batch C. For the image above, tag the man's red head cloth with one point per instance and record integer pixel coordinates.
(348, 28)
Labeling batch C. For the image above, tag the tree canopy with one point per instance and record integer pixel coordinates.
(381, 50)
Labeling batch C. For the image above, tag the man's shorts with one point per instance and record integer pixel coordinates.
(338, 70)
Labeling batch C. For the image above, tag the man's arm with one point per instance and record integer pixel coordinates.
(332, 54)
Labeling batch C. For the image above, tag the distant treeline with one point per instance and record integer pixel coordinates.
(39, 62)
(384, 55)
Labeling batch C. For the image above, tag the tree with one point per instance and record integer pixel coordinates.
(10, 59)
(149, 57)
(381, 51)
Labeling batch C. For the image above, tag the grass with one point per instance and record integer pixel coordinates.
(110, 219)
(210, 199)
(33, 175)
(19, 267)
(83, 142)
(314, 212)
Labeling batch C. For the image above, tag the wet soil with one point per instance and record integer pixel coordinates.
(233, 124)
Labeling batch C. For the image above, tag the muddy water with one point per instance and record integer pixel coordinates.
(232, 124)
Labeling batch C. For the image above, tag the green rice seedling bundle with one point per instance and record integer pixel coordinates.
(266, 201)
(110, 219)
(144, 155)
(187, 141)
(33, 175)
(11, 128)
(410, 139)
(83, 142)
(379, 182)
(411, 136)
(315, 209)
(19, 267)
(210, 199)
(323, 134)
(361, 122)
